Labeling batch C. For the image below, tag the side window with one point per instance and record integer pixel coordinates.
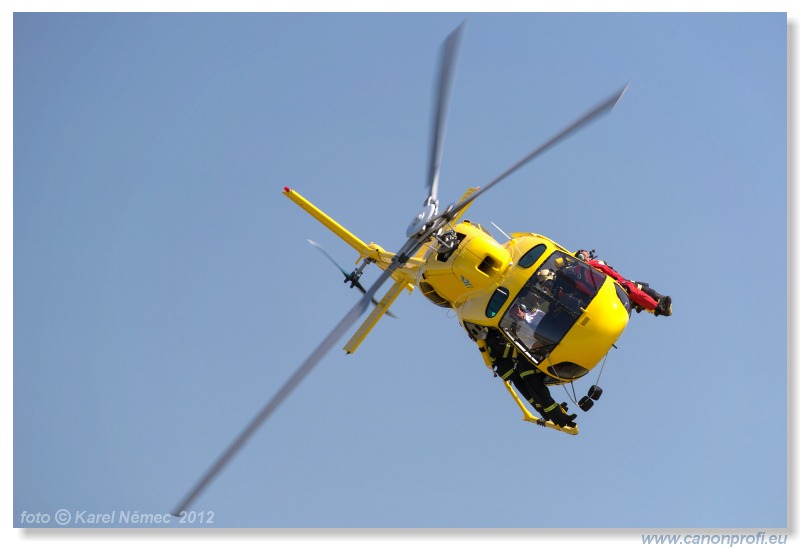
(530, 257)
(496, 301)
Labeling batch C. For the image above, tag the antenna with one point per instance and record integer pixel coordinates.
(501, 231)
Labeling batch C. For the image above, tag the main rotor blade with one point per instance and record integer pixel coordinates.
(443, 87)
(321, 350)
(602, 108)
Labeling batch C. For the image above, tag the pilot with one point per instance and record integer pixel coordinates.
(546, 276)
(547, 282)
(528, 380)
(642, 296)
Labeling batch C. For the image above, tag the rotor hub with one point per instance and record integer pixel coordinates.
(421, 220)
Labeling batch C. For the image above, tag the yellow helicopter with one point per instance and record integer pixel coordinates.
(579, 312)
(576, 312)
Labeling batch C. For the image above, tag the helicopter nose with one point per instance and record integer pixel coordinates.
(598, 328)
(606, 317)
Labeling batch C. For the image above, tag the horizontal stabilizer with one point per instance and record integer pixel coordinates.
(374, 316)
(467, 194)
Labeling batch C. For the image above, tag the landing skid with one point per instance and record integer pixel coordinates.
(528, 417)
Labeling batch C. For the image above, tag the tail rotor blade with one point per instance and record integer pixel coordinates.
(356, 284)
(318, 246)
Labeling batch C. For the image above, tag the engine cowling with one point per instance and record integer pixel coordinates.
(473, 262)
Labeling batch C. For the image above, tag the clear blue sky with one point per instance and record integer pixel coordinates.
(164, 289)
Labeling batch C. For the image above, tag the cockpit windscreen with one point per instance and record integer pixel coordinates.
(549, 304)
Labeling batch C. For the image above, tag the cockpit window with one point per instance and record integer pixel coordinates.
(549, 304)
(530, 257)
(496, 301)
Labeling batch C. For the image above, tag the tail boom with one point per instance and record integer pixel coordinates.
(360, 246)
(404, 277)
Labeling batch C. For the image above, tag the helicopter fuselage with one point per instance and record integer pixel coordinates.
(562, 315)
